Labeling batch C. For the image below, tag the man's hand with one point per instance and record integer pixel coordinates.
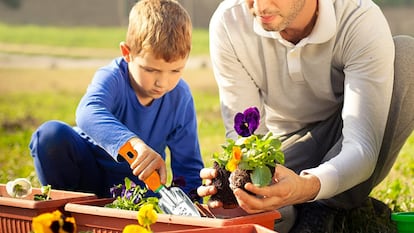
(147, 161)
(288, 188)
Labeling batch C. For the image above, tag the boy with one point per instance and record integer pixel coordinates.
(139, 99)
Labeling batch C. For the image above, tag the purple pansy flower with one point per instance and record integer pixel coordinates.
(117, 190)
(129, 194)
(247, 122)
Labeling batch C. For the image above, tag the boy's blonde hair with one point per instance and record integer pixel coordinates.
(160, 27)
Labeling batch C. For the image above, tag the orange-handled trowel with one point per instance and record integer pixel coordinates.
(173, 200)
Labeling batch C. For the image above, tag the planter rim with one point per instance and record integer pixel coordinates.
(85, 207)
(94, 207)
(59, 196)
(403, 217)
(246, 228)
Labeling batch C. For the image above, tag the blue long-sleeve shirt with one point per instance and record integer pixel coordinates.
(111, 114)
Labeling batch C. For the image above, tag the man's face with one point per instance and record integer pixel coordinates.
(275, 15)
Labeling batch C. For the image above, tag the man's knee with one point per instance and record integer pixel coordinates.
(404, 58)
(401, 117)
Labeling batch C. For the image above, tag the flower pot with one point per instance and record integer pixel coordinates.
(91, 215)
(244, 228)
(404, 221)
(16, 213)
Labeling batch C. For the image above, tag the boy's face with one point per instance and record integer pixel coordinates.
(152, 78)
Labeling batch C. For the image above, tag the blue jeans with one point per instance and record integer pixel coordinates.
(68, 159)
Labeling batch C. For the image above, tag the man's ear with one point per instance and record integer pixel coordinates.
(125, 51)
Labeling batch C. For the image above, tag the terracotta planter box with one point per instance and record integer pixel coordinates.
(91, 215)
(16, 213)
(245, 228)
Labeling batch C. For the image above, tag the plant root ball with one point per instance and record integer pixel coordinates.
(239, 178)
(224, 192)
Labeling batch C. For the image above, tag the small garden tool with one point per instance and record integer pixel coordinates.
(173, 200)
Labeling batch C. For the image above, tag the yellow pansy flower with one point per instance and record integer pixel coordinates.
(134, 228)
(53, 222)
(147, 216)
(235, 159)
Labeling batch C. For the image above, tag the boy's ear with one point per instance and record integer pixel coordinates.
(125, 51)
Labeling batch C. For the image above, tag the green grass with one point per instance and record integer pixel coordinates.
(108, 38)
(28, 97)
(60, 36)
(20, 114)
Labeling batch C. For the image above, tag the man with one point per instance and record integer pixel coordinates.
(321, 73)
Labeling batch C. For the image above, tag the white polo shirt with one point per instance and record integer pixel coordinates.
(347, 60)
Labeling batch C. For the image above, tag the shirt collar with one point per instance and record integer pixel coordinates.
(323, 30)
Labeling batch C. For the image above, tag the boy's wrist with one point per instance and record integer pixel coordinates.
(135, 141)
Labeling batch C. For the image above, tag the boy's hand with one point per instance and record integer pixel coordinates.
(207, 174)
(147, 161)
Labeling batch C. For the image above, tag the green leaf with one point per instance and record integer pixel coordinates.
(261, 176)
(280, 157)
(127, 183)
